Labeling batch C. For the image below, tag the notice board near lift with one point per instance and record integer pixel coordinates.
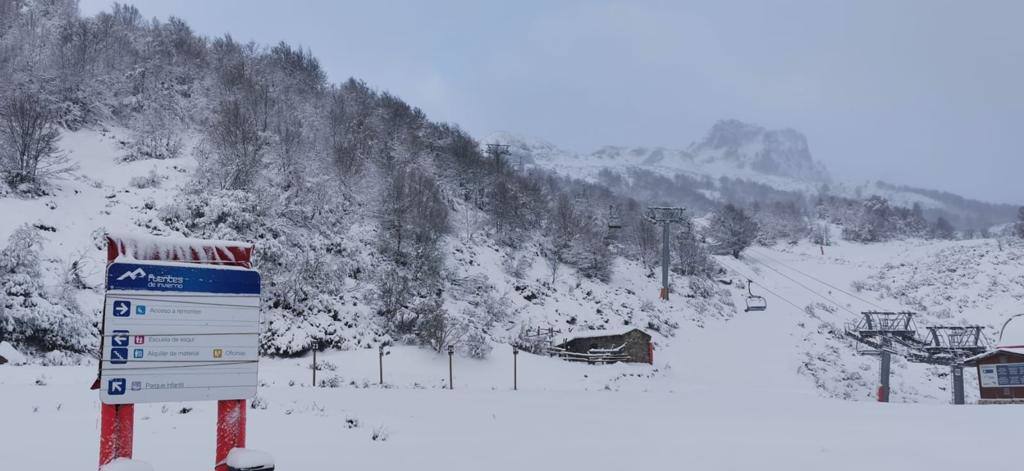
(1000, 375)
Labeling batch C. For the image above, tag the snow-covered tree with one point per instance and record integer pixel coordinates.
(874, 223)
(731, 230)
(691, 257)
(236, 147)
(943, 229)
(28, 141)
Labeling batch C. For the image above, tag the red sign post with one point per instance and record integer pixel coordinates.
(117, 421)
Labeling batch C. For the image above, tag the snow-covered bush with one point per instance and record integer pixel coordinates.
(476, 345)
(217, 214)
(436, 328)
(29, 315)
(153, 145)
(154, 131)
(150, 180)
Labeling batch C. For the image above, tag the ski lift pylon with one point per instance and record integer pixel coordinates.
(754, 302)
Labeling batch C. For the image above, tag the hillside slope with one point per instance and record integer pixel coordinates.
(947, 282)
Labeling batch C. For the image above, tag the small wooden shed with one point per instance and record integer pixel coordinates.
(604, 346)
(1000, 375)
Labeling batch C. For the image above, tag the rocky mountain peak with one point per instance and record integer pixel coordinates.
(782, 152)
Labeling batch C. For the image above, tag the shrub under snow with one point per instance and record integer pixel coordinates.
(29, 315)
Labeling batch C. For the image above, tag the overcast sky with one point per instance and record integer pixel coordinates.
(927, 93)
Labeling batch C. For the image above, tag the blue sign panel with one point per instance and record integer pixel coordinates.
(122, 308)
(1010, 374)
(118, 356)
(177, 278)
(119, 339)
(115, 386)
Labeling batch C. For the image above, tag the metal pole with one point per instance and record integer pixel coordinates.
(314, 367)
(958, 383)
(451, 376)
(883, 390)
(381, 361)
(515, 369)
(664, 259)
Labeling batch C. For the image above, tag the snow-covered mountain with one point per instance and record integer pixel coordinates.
(780, 159)
(782, 152)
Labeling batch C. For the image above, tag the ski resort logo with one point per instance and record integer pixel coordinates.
(132, 275)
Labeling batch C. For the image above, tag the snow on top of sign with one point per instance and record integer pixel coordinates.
(125, 464)
(241, 458)
(147, 247)
(165, 263)
(587, 334)
(12, 355)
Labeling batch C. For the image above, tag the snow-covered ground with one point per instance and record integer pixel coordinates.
(707, 403)
(778, 389)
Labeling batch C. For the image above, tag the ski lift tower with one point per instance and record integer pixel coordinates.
(883, 332)
(665, 216)
(950, 346)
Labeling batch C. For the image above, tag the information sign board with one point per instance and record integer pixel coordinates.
(179, 332)
(1004, 375)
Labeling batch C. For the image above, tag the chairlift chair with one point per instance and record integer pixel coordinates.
(754, 302)
(614, 217)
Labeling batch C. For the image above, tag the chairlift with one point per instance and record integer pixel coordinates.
(754, 302)
(614, 218)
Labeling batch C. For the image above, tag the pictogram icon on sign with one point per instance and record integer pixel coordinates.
(118, 356)
(119, 339)
(122, 308)
(116, 386)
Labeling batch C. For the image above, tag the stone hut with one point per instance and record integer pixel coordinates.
(604, 346)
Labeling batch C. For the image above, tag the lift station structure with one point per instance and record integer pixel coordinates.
(886, 333)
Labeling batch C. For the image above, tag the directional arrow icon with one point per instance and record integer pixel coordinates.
(122, 308)
(115, 387)
(119, 339)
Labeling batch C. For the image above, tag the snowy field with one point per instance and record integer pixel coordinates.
(694, 409)
(779, 389)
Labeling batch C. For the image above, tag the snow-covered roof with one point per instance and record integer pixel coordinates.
(588, 334)
(1014, 349)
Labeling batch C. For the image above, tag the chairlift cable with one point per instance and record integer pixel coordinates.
(830, 285)
(750, 279)
(826, 298)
